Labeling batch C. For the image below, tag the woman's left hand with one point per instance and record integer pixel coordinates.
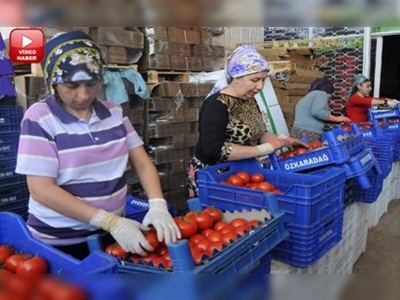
(159, 216)
(290, 142)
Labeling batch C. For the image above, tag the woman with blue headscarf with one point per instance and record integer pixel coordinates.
(74, 150)
(359, 100)
(231, 126)
(312, 111)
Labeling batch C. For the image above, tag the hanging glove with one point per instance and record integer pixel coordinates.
(159, 216)
(338, 119)
(270, 147)
(392, 103)
(127, 233)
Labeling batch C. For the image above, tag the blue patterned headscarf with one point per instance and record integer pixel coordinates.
(244, 60)
(70, 57)
(357, 79)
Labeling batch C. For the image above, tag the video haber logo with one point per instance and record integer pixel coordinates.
(27, 45)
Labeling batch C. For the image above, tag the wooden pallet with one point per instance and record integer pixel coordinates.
(155, 76)
(117, 66)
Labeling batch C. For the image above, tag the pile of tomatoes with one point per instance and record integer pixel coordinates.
(255, 181)
(207, 236)
(300, 150)
(23, 276)
(363, 126)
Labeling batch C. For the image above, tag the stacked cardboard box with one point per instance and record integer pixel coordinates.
(292, 72)
(173, 121)
(179, 49)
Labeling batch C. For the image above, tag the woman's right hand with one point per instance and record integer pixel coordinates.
(127, 233)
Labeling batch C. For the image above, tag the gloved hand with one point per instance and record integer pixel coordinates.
(127, 233)
(159, 216)
(270, 147)
(392, 103)
(339, 119)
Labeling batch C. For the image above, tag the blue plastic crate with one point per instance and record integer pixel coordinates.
(397, 148)
(306, 199)
(338, 146)
(13, 231)
(7, 174)
(306, 245)
(367, 129)
(358, 166)
(136, 208)
(8, 146)
(239, 257)
(374, 114)
(348, 192)
(263, 266)
(6, 87)
(14, 198)
(369, 195)
(6, 67)
(10, 119)
(383, 147)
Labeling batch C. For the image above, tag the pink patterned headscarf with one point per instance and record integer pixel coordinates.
(244, 60)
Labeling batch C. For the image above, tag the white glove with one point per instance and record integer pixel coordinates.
(127, 233)
(270, 147)
(392, 103)
(159, 216)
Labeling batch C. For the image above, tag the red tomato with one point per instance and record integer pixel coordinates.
(69, 291)
(214, 247)
(265, 186)
(207, 232)
(162, 249)
(276, 191)
(235, 180)
(242, 229)
(187, 227)
(229, 238)
(197, 255)
(214, 237)
(14, 260)
(244, 175)
(215, 213)
(226, 229)
(302, 150)
(253, 185)
(196, 238)
(218, 225)
(150, 257)
(151, 237)
(238, 222)
(203, 245)
(254, 223)
(204, 219)
(346, 127)
(159, 262)
(117, 251)
(317, 144)
(257, 177)
(19, 286)
(5, 251)
(166, 256)
(33, 266)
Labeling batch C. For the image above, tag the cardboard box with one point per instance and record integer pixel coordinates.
(290, 85)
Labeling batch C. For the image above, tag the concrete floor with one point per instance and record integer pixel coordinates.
(377, 271)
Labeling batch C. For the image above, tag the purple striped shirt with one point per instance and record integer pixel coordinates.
(87, 159)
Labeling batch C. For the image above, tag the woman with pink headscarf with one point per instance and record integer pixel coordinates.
(230, 123)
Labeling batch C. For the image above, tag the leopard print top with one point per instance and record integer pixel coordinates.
(245, 125)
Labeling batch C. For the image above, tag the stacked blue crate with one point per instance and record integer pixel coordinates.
(13, 189)
(312, 204)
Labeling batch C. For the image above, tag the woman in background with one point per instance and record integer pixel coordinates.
(312, 111)
(359, 100)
